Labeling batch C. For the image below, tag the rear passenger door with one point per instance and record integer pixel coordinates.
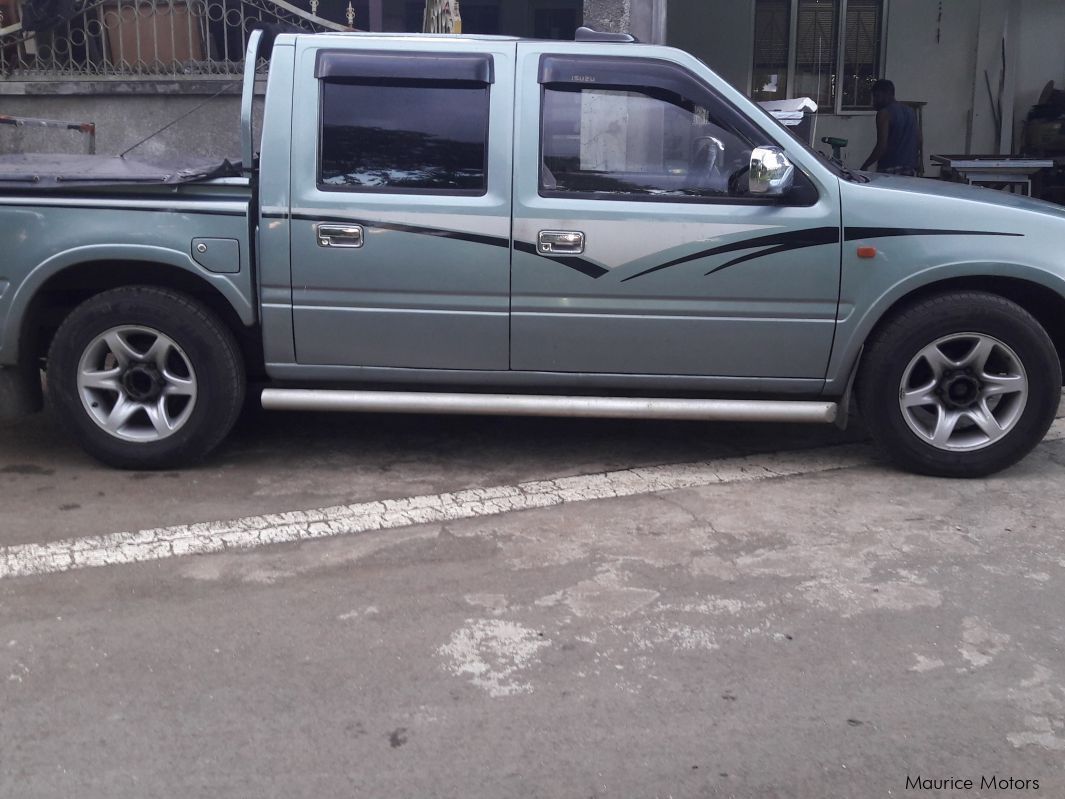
(400, 203)
(633, 254)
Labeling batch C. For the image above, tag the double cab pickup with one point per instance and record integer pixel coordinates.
(473, 224)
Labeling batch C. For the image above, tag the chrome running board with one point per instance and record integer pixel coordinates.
(731, 410)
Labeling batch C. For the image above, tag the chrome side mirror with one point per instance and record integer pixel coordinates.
(772, 174)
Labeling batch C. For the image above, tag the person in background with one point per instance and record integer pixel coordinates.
(898, 137)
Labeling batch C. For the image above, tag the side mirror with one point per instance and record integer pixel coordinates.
(772, 174)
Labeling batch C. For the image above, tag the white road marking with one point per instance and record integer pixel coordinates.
(256, 531)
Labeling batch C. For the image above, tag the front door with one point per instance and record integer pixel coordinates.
(400, 209)
(636, 249)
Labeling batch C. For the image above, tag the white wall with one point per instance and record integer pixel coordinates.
(936, 72)
(940, 62)
(932, 60)
(949, 74)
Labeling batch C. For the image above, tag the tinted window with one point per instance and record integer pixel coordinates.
(636, 141)
(402, 136)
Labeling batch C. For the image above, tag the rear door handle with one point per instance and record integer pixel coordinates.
(339, 235)
(560, 242)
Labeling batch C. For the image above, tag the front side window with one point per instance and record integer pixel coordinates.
(636, 141)
(404, 136)
(829, 50)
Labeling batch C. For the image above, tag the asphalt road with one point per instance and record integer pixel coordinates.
(792, 619)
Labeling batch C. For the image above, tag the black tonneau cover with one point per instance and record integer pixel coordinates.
(52, 170)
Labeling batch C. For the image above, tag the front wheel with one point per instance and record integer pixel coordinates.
(960, 385)
(145, 378)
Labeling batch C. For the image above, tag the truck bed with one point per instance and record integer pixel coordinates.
(118, 225)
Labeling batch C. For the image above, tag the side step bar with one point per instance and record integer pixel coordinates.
(300, 399)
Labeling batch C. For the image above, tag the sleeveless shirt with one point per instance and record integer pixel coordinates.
(902, 150)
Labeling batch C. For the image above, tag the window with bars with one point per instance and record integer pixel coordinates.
(829, 50)
(772, 26)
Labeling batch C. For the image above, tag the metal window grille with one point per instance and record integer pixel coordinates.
(830, 50)
(861, 52)
(772, 33)
(146, 38)
(816, 48)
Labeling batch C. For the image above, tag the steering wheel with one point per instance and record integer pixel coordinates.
(735, 178)
(708, 154)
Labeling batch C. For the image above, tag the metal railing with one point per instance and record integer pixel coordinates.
(146, 38)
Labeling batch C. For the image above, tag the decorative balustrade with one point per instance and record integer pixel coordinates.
(105, 39)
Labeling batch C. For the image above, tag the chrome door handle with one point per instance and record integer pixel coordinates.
(560, 242)
(338, 235)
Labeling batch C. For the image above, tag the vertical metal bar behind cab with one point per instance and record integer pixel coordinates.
(247, 137)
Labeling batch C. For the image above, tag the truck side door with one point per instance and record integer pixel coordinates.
(400, 203)
(636, 251)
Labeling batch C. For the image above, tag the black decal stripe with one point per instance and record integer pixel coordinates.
(778, 242)
(755, 256)
(475, 238)
(585, 267)
(581, 265)
(856, 233)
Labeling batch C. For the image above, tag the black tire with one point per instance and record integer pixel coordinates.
(205, 345)
(897, 342)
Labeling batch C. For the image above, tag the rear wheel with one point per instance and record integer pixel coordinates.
(960, 385)
(145, 378)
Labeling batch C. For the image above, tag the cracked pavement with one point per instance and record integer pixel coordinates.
(827, 629)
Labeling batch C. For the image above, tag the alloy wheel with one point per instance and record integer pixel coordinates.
(137, 384)
(963, 392)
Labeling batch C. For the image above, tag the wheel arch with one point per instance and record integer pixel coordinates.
(1044, 303)
(50, 294)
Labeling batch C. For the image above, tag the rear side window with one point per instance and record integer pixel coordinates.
(404, 135)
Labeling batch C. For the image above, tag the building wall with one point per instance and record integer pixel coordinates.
(947, 73)
(122, 120)
(939, 62)
(1042, 54)
(724, 40)
(125, 111)
(931, 60)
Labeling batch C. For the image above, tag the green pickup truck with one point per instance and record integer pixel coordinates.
(473, 224)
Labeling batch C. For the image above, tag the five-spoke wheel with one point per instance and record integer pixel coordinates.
(137, 383)
(145, 377)
(959, 384)
(963, 391)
